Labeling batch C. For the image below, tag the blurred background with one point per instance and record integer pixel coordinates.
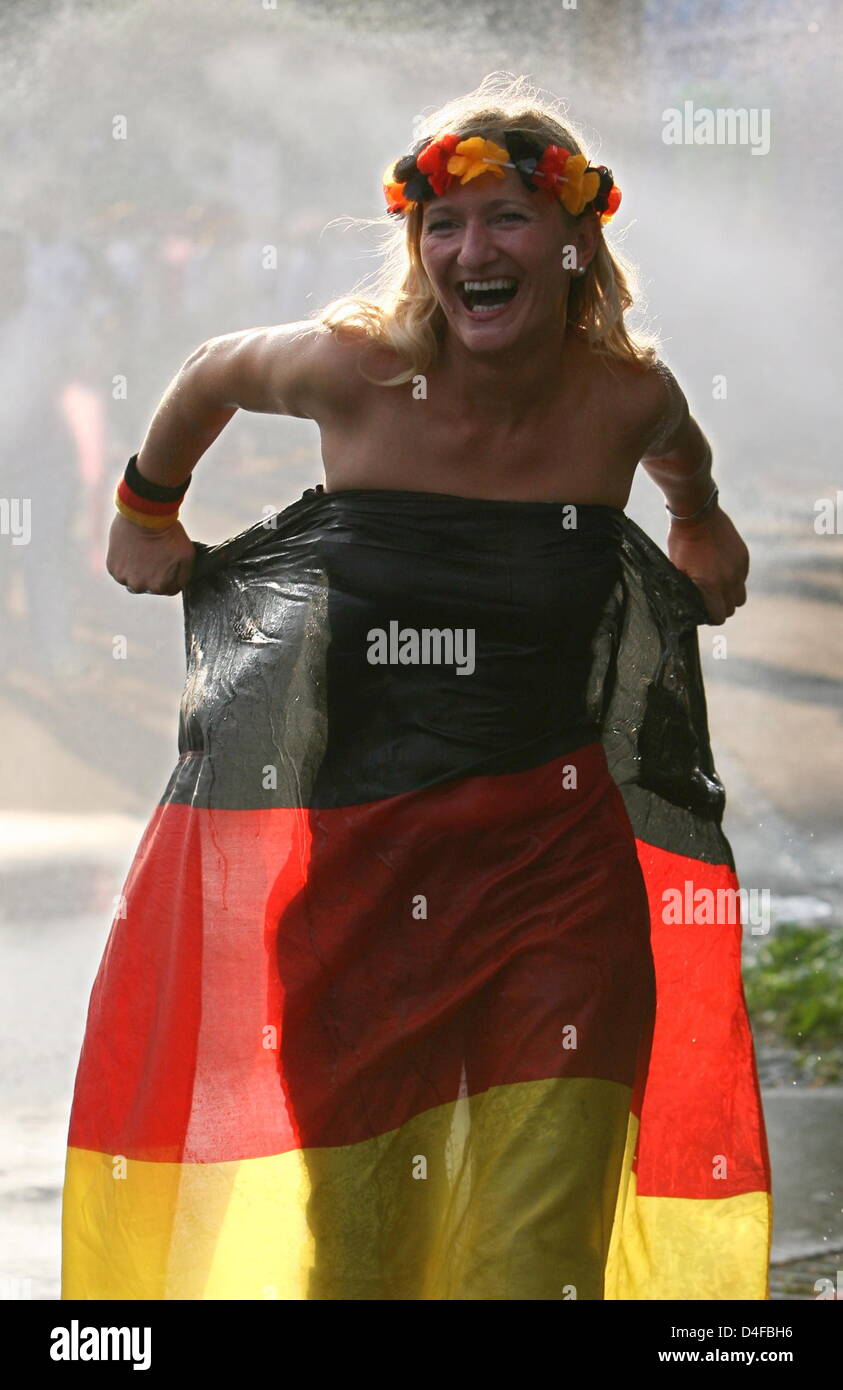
(170, 174)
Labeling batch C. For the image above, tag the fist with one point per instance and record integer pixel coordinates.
(146, 561)
(712, 554)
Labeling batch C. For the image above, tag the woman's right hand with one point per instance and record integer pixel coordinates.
(149, 562)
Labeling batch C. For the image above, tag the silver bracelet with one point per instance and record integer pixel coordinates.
(715, 493)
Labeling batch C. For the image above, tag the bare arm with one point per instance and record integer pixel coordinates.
(707, 548)
(289, 369)
(678, 457)
(281, 370)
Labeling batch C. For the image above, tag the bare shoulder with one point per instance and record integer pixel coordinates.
(664, 408)
(649, 398)
(316, 367)
(304, 369)
(349, 367)
(364, 362)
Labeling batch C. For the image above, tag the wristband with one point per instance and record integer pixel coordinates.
(713, 496)
(154, 506)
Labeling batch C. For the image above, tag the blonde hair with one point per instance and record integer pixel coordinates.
(397, 307)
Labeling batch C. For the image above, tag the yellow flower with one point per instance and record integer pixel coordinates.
(471, 158)
(580, 187)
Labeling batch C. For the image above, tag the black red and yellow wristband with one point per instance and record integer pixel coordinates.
(153, 505)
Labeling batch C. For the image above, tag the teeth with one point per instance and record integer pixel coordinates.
(468, 289)
(487, 284)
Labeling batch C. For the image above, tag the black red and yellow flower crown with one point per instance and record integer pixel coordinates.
(435, 165)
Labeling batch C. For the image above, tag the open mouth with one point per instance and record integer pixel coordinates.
(484, 296)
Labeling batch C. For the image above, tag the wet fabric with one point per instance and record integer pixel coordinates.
(392, 1007)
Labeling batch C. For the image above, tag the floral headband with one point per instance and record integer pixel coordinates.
(435, 165)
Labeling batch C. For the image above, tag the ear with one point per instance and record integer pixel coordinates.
(588, 227)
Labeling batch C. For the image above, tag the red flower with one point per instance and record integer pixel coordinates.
(395, 200)
(553, 161)
(613, 202)
(433, 161)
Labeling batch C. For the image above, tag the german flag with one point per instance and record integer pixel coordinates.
(425, 980)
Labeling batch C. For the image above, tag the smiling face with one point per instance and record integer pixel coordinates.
(493, 251)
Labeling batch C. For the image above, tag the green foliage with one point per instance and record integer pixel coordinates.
(794, 992)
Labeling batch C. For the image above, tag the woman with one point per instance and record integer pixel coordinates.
(377, 1020)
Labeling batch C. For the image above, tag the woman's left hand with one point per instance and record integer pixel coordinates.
(712, 554)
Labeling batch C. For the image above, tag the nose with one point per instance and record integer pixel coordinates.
(476, 246)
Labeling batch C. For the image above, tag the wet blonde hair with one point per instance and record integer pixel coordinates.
(397, 306)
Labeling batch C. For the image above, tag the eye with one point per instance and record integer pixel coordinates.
(439, 223)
